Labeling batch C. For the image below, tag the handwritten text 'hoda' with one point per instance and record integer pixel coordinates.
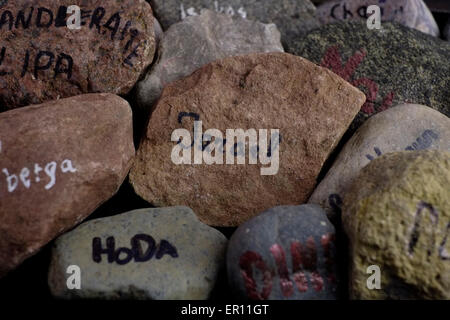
(25, 177)
(210, 147)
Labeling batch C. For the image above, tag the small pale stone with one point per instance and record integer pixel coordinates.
(397, 217)
(285, 253)
(406, 127)
(52, 173)
(199, 40)
(162, 253)
(411, 13)
(309, 106)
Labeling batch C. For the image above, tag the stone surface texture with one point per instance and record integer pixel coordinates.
(397, 217)
(186, 260)
(59, 161)
(310, 106)
(42, 59)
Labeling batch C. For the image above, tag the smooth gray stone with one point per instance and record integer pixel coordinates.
(447, 31)
(184, 264)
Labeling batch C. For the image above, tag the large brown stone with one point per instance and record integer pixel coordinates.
(411, 13)
(199, 40)
(397, 217)
(59, 161)
(311, 107)
(42, 59)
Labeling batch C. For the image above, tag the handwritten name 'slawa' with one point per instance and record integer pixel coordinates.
(191, 11)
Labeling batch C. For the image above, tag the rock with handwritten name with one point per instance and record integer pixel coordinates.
(411, 13)
(163, 253)
(199, 40)
(45, 55)
(241, 135)
(392, 66)
(405, 127)
(292, 17)
(447, 31)
(287, 252)
(52, 173)
(397, 216)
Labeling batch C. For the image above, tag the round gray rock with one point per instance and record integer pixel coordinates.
(163, 253)
(287, 252)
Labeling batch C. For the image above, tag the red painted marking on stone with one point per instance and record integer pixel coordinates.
(299, 276)
(326, 242)
(280, 259)
(307, 258)
(245, 263)
(310, 256)
(372, 89)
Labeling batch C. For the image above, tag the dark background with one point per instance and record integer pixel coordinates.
(29, 281)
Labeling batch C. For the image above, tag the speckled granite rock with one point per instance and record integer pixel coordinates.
(411, 13)
(52, 173)
(392, 66)
(286, 252)
(303, 120)
(41, 59)
(404, 127)
(162, 253)
(292, 17)
(199, 40)
(397, 216)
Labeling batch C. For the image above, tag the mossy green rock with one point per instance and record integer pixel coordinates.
(162, 253)
(407, 127)
(392, 66)
(397, 217)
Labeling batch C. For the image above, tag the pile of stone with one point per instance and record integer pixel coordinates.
(323, 143)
